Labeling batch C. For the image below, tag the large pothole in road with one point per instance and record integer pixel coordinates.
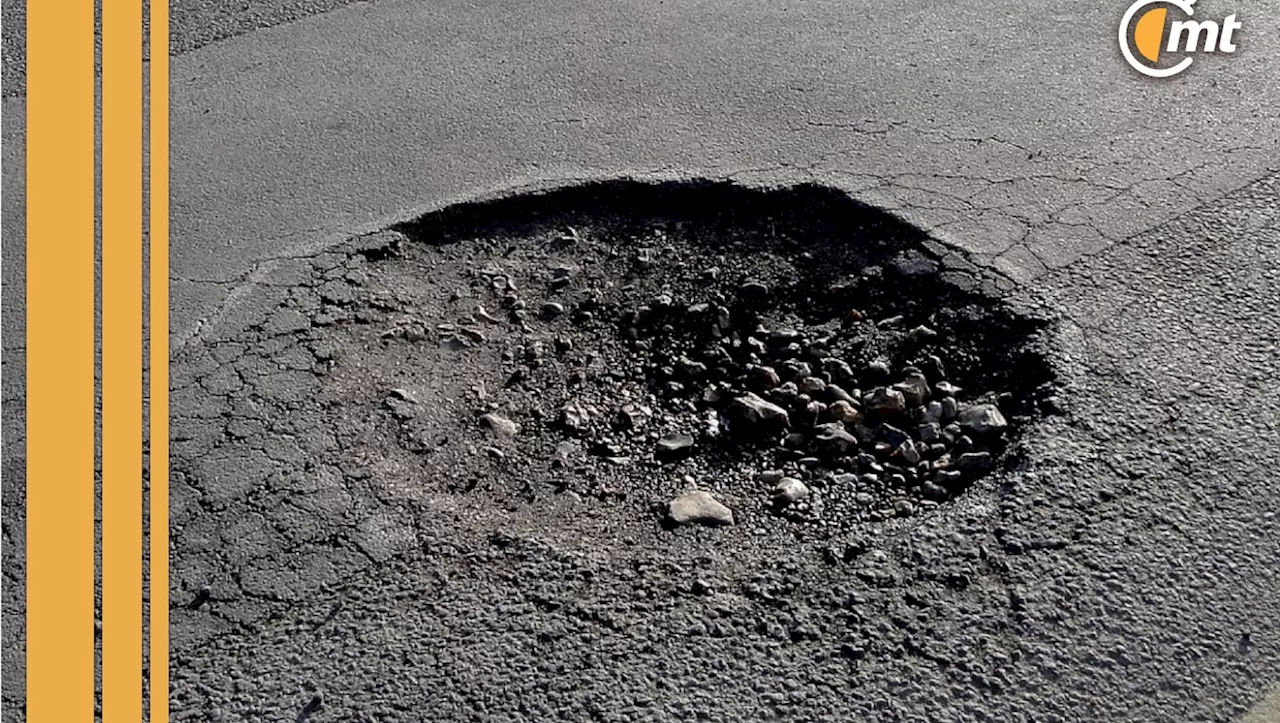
(794, 357)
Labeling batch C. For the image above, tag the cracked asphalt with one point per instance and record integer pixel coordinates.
(1128, 573)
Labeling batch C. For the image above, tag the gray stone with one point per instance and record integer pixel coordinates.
(914, 389)
(884, 401)
(500, 425)
(893, 435)
(770, 476)
(789, 490)
(946, 389)
(920, 333)
(844, 413)
(698, 508)
(763, 377)
(574, 417)
(758, 413)
(839, 369)
(908, 452)
(832, 439)
(982, 419)
(836, 393)
(950, 409)
(973, 462)
(813, 386)
(929, 432)
(675, 446)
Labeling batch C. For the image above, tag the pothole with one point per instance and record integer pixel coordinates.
(790, 357)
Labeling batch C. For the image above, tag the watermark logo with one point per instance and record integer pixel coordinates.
(1146, 29)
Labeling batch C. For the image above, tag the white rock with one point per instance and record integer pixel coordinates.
(789, 490)
(699, 508)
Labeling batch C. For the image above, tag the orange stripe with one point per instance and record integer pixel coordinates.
(159, 362)
(60, 357)
(121, 361)
(1149, 33)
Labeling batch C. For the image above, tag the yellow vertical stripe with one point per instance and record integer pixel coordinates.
(121, 361)
(60, 358)
(159, 362)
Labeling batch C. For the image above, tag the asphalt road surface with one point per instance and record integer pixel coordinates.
(1127, 572)
(192, 24)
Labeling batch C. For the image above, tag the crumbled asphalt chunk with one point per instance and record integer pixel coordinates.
(698, 508)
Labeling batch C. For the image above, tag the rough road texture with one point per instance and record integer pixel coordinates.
(192, 24)
(1123, 570)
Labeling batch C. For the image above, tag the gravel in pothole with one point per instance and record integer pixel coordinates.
(698, 355)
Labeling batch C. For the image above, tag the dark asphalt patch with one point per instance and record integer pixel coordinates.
(642, 329)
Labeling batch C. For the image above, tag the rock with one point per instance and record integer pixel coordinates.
(404, 394)
(946, 389)
(759, 414)
(500, 425)
(783, 337)
(789, 490)
(762, 377)
(770, 476)
(813, 411)
(562, 270)
(876, 371)
(982, 419)
(934, 492)
(574, 418)
(933, 413)
(552, 309)
(950, 409)
(844, 413)
(698, 508)
(813, 386)
(564, 454)
(908, 453)
(948, 478)
(632, 417)
(914, 389)
(920, 333)
(838, 369)
(973, 462)
(833, 440)
(929, 432)
(675, 446)
(796, 370)
(753, 289)
(884, 401)
(836, 393)
(893, 435)
(785, 393)
(934, 368)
